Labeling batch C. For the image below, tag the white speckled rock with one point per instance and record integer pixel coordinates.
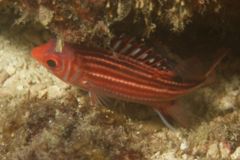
(213, 151)
(236, 154)
(184, 145)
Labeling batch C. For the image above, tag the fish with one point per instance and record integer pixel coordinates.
(128, 71)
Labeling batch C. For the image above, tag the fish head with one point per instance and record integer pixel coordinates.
(54, 61)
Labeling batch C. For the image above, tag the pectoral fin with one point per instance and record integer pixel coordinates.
(96, 99)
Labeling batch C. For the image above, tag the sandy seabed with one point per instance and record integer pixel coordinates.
(44, 118)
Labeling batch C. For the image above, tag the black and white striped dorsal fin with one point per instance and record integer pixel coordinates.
(130, 47)
(122, 44)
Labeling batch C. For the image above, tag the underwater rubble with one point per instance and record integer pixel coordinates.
(45, 118)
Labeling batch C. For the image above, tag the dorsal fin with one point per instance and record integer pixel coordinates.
(124, 45)
(195, 70)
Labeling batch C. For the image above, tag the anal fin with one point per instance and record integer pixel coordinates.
(175, 111)
(164, 120)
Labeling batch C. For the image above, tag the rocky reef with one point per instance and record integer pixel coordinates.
(45, 118)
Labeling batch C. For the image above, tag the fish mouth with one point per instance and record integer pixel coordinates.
(35, 53)
(39, 51)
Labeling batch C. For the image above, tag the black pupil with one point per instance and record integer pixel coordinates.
(51, 63)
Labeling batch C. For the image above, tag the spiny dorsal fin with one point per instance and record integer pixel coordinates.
(139, 51)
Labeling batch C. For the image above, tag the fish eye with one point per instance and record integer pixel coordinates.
(51, 63)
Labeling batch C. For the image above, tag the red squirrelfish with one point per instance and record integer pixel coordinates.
(128, 71)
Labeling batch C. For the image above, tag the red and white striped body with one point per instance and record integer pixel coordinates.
(129, 72)
(132, 81)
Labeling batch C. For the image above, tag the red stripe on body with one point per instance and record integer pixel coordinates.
(136, 69)
(132, 84)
